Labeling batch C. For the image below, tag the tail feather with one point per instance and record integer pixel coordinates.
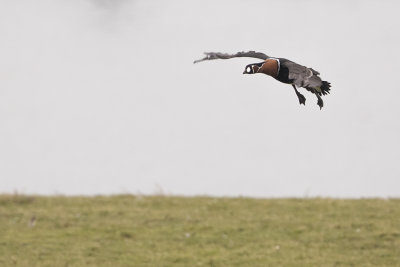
(325, 87)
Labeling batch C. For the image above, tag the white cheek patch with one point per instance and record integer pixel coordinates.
(248, 69)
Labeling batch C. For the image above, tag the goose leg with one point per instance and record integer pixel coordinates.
(302, 99)
(320, 101)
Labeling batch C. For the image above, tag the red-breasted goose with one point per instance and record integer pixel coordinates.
(283, 70)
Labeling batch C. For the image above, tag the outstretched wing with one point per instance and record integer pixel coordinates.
(212, 55)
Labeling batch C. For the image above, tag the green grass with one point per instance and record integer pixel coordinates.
(201, 231)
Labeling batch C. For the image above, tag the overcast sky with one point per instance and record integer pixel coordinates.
(101, 97)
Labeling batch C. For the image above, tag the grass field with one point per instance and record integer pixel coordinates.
(201, 231)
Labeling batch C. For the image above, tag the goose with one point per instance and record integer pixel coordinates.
(283, 70)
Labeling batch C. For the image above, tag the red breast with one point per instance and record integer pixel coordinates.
(270, 67)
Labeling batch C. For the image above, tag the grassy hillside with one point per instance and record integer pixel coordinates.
(174, 231)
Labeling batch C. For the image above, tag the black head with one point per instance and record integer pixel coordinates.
(252, 68)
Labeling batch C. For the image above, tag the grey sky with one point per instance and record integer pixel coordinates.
(100, 97)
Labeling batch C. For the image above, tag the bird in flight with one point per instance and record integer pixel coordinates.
(283, 70)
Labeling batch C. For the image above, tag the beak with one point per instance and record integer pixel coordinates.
(244, 72)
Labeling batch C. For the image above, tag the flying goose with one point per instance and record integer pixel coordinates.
(283, 70)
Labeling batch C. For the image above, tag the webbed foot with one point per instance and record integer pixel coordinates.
(302, 99)
(320, 103)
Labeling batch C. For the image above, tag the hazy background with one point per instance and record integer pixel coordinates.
(101, 97)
